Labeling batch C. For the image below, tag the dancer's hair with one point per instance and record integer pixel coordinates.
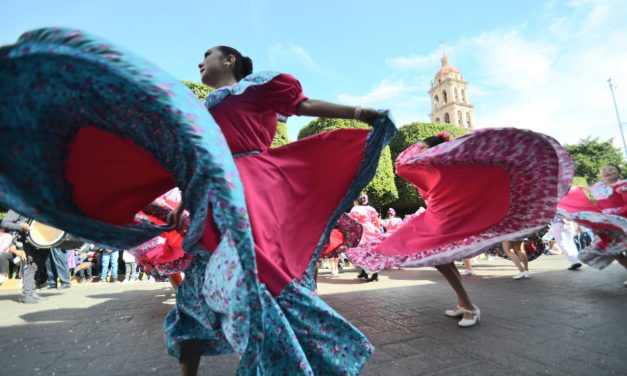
(434, 141)
(363, 199)
(243, 64)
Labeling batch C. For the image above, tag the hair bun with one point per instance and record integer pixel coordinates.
(248, 65)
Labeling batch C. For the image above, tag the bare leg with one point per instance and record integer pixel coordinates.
(522, 256)
(191, 351)
(508, 249)
(334, 265)
(450, 272)
(468, 265)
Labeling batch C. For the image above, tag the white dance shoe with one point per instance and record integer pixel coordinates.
(455, 312)
(522, 275)
(476, 316)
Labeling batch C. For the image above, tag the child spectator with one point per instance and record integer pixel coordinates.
(130, 267)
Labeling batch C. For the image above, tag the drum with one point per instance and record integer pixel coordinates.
(44, 236)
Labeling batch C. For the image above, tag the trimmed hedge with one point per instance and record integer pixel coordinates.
(381, 190)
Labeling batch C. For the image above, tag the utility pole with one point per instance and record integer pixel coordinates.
(620, 124)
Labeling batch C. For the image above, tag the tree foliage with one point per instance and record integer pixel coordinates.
(591, 155)
(411, 133)
(381, 190)
(281, 137)
(408, 198)
(579, 181)
(200, 90)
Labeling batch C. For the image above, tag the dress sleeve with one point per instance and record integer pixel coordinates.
(282, 94)
(374, 217)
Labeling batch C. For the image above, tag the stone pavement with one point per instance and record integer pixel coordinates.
(556, 323)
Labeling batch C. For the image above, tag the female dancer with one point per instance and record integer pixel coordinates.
(108, 132)
(603, 209)
(368, 218)
(478, 190)
(164, 256)
(346, 234)
(392, 222)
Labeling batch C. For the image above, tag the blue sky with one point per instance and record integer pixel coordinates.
(541, 65)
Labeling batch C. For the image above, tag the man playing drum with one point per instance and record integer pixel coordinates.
(34, 269)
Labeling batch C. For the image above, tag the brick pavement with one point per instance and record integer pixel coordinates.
(557, 323)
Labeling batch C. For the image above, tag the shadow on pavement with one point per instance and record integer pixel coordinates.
(558, 322)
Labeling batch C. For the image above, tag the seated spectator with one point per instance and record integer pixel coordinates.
(8, 252)
(85, 262)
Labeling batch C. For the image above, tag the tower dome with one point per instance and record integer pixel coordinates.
(449, 97)
(447, 70)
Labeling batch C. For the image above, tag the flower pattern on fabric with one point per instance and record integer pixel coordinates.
(80, 78)
(309, 338)
(610, 240)
(540, 172)
(351, 230)
(601, 191)
(157, 213)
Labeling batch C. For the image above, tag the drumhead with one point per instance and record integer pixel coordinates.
(44, 236)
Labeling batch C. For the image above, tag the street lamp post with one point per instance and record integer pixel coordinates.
(620, 124)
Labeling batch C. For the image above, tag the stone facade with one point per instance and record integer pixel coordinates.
(449, 97)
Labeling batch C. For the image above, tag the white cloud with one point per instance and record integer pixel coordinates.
(384, 91)
(549, 76)
(556, 83)
(415, 62)
(290, 54)
(551, 79)
(405, 97)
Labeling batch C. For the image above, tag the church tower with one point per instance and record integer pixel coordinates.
(449, 97)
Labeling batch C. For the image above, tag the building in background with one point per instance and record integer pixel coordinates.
(449, 97)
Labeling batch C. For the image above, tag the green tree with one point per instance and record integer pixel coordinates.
(591, 155)
(579, 180)
(202, 91)
(281, 137)
(408, 198)
(381, 190)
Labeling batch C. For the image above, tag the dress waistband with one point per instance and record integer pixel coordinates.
(246, 154)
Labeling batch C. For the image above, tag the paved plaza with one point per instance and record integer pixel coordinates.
(558, 322)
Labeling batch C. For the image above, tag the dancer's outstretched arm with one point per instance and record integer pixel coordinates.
(315, 107)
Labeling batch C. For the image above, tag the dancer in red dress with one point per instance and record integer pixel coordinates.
(603, 209)
(108, 132)
(480, 189)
